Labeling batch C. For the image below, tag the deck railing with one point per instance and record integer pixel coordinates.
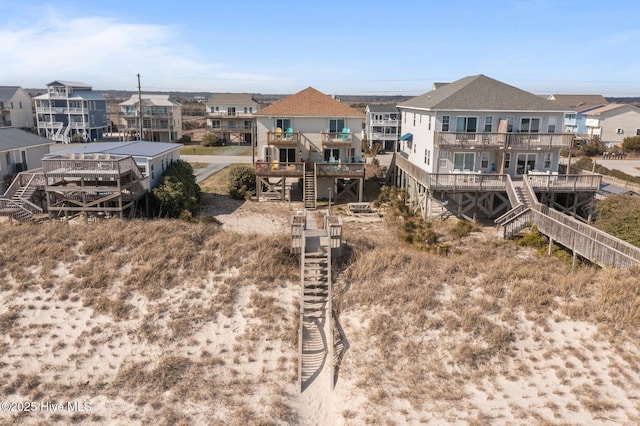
(565, 183)
(336, 138)
(283, 138)
(276, 168)
(585, 240)
(521, 141)
(333, 225)
(298, 225)
(339, 170)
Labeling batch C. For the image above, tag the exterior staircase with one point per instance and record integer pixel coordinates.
(310, 190)
(16, 201)
(316, 335)
(516, 219)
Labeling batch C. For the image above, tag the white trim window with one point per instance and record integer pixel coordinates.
(427, 157)
(529, 125)
(507, 160)
(488, 124)
(443, 160)
(446, 119)
(484, 160)
(466, 124)
(464, 161)
(547, 161)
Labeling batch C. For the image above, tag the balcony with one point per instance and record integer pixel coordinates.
(225, 114)
(516, 141)
(277, 169)
(344, 170)
(279, 138)
(391, 123)
(337, 139)
(384, 136)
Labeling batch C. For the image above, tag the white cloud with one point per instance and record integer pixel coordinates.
(107, 54)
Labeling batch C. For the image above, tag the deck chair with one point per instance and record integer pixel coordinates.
(345, 134)
(289, 134)
(278, 133)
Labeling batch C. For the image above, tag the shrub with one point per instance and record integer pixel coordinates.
(177, 192)
(186, 139)
(593, 148)
(462, 228)
(210, 140)
(242, 183)
(631, 144)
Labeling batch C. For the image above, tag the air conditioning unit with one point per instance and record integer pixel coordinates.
(619, 130)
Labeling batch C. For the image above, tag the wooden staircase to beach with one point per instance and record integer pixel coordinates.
(16, 201)
(310, 190)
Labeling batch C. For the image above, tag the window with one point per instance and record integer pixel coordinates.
(287, 155)
(20, 104)
(247, 125)
(507, 160)
(427, 157)
(414, 118)
(530, 125)
(551, 125)
(429, 122)
(336, 124)
(525, 163)
(484, 160)
(445, 123)
(443, 160)
(637, 132)
(547, 160)
(283, 123)
(215, 124)
(467, 124)
(267, 154)
(488, 124)
(464, 161)
(331, 153)
(231, 111)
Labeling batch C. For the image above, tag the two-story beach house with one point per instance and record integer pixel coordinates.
(314, 138)
(612, 123)
(15, 107)
(465, 142)
(230, 117)
(161, 118)
(382, 126)
(577, 105)
(70, 108)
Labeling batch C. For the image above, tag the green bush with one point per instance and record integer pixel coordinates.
(463, 228)
(210, 140)
(631, 144)
(177, 192)
(242, 183)
(592, 148)
(185, 139)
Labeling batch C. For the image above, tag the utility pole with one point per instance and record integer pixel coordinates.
(140, 105)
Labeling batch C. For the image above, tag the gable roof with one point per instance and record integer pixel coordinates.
(481, 93)
(7, 92)
(149, 99)
(382, 108)
(69, 83)
(310, 103)
(611, 107)
(240, 99)
(579, 102)
(12, 138)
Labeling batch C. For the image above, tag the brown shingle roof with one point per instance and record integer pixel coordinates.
(310, 103)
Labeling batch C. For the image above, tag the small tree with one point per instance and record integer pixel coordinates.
(593, 148)
(209, 140)
(177, 192)
(242, 183)
(77, 138)
(631, 144)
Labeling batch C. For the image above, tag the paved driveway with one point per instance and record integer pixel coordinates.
(630, 167)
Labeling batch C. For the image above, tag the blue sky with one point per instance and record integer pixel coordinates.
(338, 47)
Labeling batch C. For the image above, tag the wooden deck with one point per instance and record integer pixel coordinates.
(581, 238)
